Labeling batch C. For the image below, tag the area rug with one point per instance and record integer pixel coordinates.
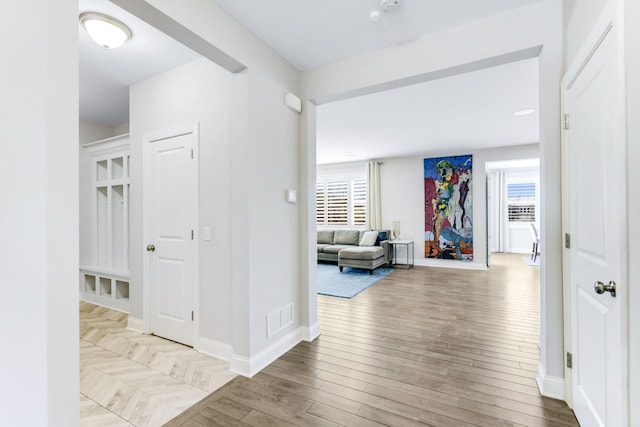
(349, 283)
(531, 262)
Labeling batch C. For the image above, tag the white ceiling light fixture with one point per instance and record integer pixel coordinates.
(106, 31)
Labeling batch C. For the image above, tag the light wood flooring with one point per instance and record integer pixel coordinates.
(127, 378)
(425, 346)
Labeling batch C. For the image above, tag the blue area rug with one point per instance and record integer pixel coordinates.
(349, 283)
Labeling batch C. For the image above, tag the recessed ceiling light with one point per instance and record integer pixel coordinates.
(106, 31)
(523, 112)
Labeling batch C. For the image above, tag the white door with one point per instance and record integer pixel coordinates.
(596, 223)
(171, 212)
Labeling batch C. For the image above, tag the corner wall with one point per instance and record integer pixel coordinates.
(264, 163)
(39, 214)
(199, 91)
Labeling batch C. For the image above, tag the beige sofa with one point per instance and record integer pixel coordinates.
(344, 248)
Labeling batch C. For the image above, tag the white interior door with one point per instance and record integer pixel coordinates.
(597, 225)
(172, 183)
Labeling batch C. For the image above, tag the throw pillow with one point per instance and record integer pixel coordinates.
(369, 238)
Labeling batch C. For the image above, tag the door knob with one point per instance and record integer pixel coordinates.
(151, 248)
(601, 288)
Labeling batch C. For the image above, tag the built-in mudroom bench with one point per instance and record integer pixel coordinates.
(104, 217)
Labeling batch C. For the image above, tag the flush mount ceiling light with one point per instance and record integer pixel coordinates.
(108, 32)
(523, 112)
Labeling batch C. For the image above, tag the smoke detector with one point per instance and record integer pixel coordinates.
(389, 6)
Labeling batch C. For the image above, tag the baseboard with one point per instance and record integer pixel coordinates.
(248, 367)
(549, 386)
(136, 325)
(310, 333)
(214, 348)
(450, 263)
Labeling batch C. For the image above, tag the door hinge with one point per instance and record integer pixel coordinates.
(565, 119)
(192, 316)
(192, 235)
(567, 241)
(192, 153)
(569, 360)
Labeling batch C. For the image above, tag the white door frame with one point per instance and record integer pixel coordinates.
(185, 129)
(608, 19)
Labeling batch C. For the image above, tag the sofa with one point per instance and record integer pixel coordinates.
(354, 248)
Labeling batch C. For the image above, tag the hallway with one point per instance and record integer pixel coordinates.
(425, 346)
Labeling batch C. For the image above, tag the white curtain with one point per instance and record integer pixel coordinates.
(373, 196)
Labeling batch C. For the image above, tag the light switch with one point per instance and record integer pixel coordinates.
(291, 196)
(207, 233)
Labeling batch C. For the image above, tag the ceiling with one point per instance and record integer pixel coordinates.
(466, 111)
(312, 33)
(105, 75)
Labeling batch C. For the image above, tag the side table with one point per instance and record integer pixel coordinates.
(408, 244)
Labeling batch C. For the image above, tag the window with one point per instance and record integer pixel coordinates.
(522, 202)
(341, 201)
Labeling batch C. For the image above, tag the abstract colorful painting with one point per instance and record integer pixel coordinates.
(448, 208)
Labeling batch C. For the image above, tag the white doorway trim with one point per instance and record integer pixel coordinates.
(180, 130)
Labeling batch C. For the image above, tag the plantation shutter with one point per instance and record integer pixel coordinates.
(321, 203)
(359, 197)
(338, 202)
(341, 200)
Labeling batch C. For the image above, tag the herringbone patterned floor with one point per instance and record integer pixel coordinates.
(127, 378)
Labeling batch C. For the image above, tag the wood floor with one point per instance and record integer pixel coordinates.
(127, 378)
(426, 346)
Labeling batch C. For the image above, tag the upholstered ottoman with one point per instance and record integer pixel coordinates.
(366, 257)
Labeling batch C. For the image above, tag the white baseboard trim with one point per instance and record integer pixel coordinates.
(136, 325)
(549, 386)
(248, 367)
(449, 263)
(214, 348)
(310, 333)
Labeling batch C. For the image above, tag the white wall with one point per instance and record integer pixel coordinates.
(579, 18)
(264, 162)
(39, 363)
(199, 91)
(402, 195)
(480, 43)
(92, 131)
